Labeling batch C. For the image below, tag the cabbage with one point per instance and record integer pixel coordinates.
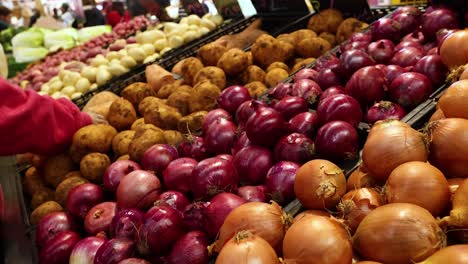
(88, 33)
(28, 54)
(65, 38)
(29, 38)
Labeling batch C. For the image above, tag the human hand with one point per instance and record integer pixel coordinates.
(97, 118)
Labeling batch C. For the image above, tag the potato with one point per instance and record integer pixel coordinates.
(163, 116)
(327, 20)
(180, 101)
(148, 103)
(348, 27)
(302, 64)
(124, 157)
(56, 168)
(157, 77)
(251, 74)
(32, 181)
(139, 122)
(287, 38)
(184, 89)
(122, 140)
(275, 76)
(267, 50)
(76, 173)
(256, 89)
(168, 89)
(189, 68)
(100, 103)
(204, 97)
(279, 65)
(173, 137)
(302, 34)
(192, 123)
(93, 165)
(213, 74)
(43, 210)
(210, 53)
(136, 92)
(233, 61)
(313, 47)
(144, 139)
(41, 196)
(122, 114)
(92, 138)
(250, 59)
(329, 37)
(62, 190)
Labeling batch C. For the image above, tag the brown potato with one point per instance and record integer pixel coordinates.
(168, 89)
(139, 122)
(329, 37)
(157, 77)
(213, 74)
(43, 210)
(313, 47)
(121, 142)
(124, 157)
(275, 76)
(92, 138)
(302, 34)
(192, 123)
(173, 137)
(189, 69)
(210, 53)
(251, 74)
(287, 38)
(301, 64)
(256, 89)
(93, 165)
(250, 60)
(184, 89)
(348, 27)
(62, 190)
(149, 102)
(204, 96)
(41, 196)
(100, 103)
(180, 101)
(267, 50)
(276, 65)
(233, 61)
(32, 181)
(76, 173)
(56, 168)
(143, 140)
(327, 20)
(163, 116)
(136, 92)
(122, 114)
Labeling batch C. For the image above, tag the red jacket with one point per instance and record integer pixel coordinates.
(113, 18)
(33, 123)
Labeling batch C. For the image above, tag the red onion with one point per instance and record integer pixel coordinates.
(279, 183)
(326, 61)
(290, 106)
(339, 107)
(381, 50)
(386, 28)
(246, 110)
(173, 199)
(265, 126)
(367, 85)
(212, 176)
(305, 73)
(361, 37)
(353, 60)
(337, 140)
(59, 248)
(220, 136)
(433, 51)
(242, 142)
(116, 171)
(134, 261)
(408, 22)
(294, 147)
(409, 43)
(232, 97)
(158, 156)
(252, 164)
(407, 56)
(83, 197)
(436, 20)
(85, 251)
(190, 249)
(52, 224)
(138, 189)
(125, 223)
(333, 90)
(178, 173)
(413, 10)
(194, 216)
(162, 226)
(442, 34)
(193, 147)
(307, 89)
(214, 115)
(393, 71)
(227, 157)
(218, 209)
(304, 123)
(384, 110)
(433, 67)
(99, 218)
(114, 251)
(252, 193)
(355, 45)
(416, 36)
(327, 78)
(280, 90)
(410, 89)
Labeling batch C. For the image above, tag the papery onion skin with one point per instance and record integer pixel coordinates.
(134, 261)
(193, 216)
(453, 102)
(125, 223)
(319, 184)
(398, 233)
(114, 250)
(337, 141)
(178, 173)
(218, 209)
(384, 110)
(59, 248)
(308, 239)
(407, 56)
(454, 184)
(252, 193)
(83, 197)
(310, 212)
(157, 157)
(436, 20)
(433, 67)
(294, 147)
(191, 248)
(194, 147)
(252, 164)
(410, 89)
(246, 110)
(52, 224)
(99, 218)
(174, 199)
(456, 254)
(304, 123)
(339, 107)
(454, 51)
(232, 97)
(290, 106)
(360, 178)
(459, 213)
(279, 182)
(393, 71)
(353, 60)
(116, 171)
(386, 28)
(220, 136)
(367, 85)
(138, 189)
(265, 126)
(85, 251)
(381, 50)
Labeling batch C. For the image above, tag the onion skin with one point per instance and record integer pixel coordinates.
(134, 261)
(340, 107)
(59, 248)
(433, 67)
(138, 189)
(386, 28)
(279, 182)
(218, 209)
(367, 85)
(178, 173)
(393, 71)
(337, 89)
(453, 101)
(252, 193)
(191, 248)
(252, 164)
(83, 197)
(337, 141)
(327, 78)
(398, 233)
(304, 123)
(308, 240)
(410, 89)
(174, 199)
(436, 20)
(85, 251)
(194, 217)
(232, 97)
(247, 248)
(459, 214)
(220, 136)
(353, 60)
(381, 50)
(116, 171)
(454, 184)
(193, 147)
(114, 250)
(125, 223)
(294, 147)
(319, 184)
(290, 106)
(99, 218)
(246, 110)
(52, 224)
(456, 254)
(438, 115)
(448, 148)
(265, 126)
(360, 178)
(384, 110)
(157, 157)
(310, 212)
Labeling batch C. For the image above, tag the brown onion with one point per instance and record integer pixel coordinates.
(310, 212)
(454, 183)
(357, 204)
(265, 220)
(457, 254)
(360, 178)
(449, 146)
(459, 214)
(418, 183)
(438, 114)
(368, 262)
(390, 144)
(400, 233)
(319, 184)
(247, 248)
(318, 240)
(454, 100)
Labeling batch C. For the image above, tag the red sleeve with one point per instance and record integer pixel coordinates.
(113, 18)
(33, 123)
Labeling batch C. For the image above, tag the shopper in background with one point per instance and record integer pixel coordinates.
(5, 14)
(194, 7)
(117, 14)
(67, 15)
(152, 7)
(93, 17)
